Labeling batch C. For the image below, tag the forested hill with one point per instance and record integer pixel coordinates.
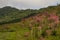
(11, 14)
(8, 14)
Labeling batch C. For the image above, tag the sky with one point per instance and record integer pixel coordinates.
(25, 4)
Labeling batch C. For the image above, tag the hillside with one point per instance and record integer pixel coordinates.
(42, 24)
(9, 14)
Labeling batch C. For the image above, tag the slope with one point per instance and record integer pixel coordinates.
(45, 25)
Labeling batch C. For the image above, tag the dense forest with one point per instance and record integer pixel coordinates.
(30, 24)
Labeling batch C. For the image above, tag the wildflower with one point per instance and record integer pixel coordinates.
(26, 34)
(39, 28)
(48, 32)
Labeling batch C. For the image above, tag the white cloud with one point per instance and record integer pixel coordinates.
(3, 3)
(59, 1)
(34, 4)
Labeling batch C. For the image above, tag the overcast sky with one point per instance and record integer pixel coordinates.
(24, 4)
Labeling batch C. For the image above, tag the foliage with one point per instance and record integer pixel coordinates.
(29, 24)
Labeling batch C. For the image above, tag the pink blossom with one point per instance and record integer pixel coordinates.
(38, 19)
(39, 28)
(48, 32)
(30, 25)
(57, 21)
(26, 34)
(41, 38)
(51, 25)
(53, 16)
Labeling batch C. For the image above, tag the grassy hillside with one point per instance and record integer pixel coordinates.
(42, 24)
